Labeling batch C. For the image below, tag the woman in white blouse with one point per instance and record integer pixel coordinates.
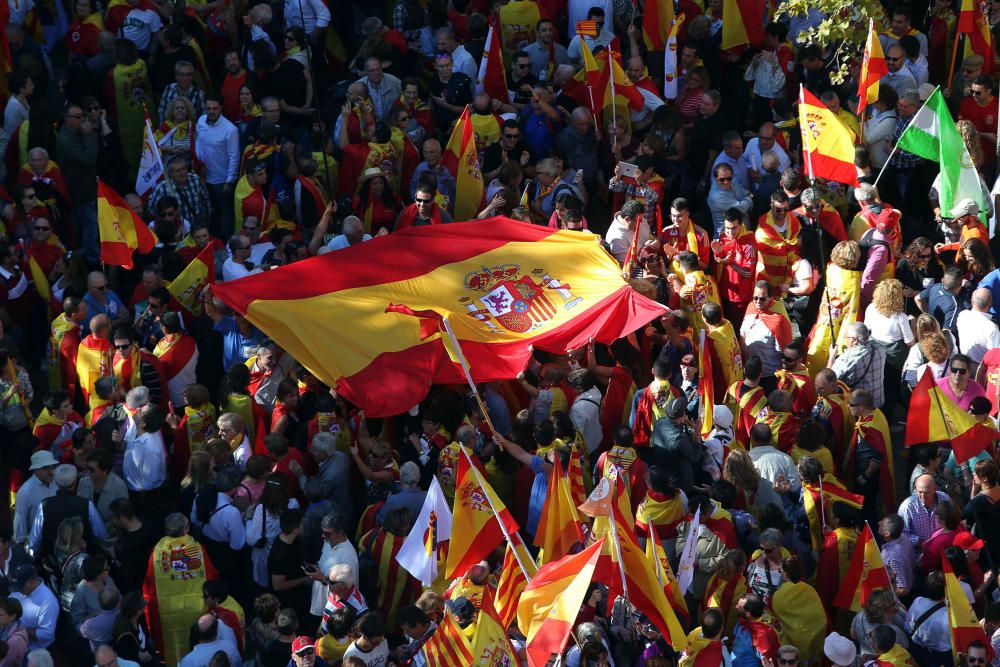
(890, 325)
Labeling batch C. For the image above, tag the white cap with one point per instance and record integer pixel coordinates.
(42, 459)
(722, 416)
(839, 649)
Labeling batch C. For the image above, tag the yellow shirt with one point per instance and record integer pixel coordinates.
(823, 455)
(331, 649)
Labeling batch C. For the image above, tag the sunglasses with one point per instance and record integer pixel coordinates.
(960, 371)
(761, 299)
(892, 60)
(780, 209)
(788, 661)
(306, 652)
(522, 65)
(975, 661)
(423, 201)
(123, 347)
(512, 136)
(978, 93)
(99, 288)
(788, 360)
(43, 229)
(725, 179)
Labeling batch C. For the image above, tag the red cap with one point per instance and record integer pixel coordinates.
(968, 541)
(302, 643)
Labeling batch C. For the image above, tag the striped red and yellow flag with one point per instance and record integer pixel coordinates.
(512, 581)
(506, 287)
(187, 287)
(447, 647)
(475, 520)
(462, 159)
(587, 28)
(873, 68)
(122, 231)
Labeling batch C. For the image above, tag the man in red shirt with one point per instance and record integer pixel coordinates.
(736, 252)
(236, 77)
(981, 109)
(988, 375)
(284, 457)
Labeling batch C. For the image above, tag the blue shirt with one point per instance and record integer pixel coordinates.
(539, 489)
(942, 304)
(539, 130)
(992, 282)
(113, 308)
(744, 652)
(237, 348)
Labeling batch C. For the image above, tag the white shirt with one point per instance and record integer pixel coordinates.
(145, 464)
(377, 657)
(233, 271)
(752, 155)
(314, 12)
(977, 334)
(585, 414)
(759, 340)
(26, 503)
(889, 329)
(243, 453)
(202, 654)
(772, 463)
(343, 553)
(462, 61)
(96, 527)
(340, 242)
(41, 611)
(919, 69)
(225, 525)
(619, 238)
(140, 25)
(218, 146)
(577, 10)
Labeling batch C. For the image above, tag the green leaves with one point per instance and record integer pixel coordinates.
(843, 32)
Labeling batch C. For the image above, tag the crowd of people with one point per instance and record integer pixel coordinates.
(184, 492)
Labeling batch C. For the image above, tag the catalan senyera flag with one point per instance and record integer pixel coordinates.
(965, 627)
(462, 160)
(492, 74)
(490, 645)
(447, 646)
(587, 28)
(558, 525)
(873, 68)
(475, 520)
(657, 20)
(505, 287)
(934, 417)
(187, 286)
(512, 580)
(550, 603)
(826, 141)
(706, 387)
(866, 573)
(419, 553)
(973, 21)
(122, 231)
(742, 23)
(647, 594)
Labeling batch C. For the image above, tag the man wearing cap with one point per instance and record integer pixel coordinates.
(840, 651)
(39, 605)
(63, 505)
(206, 632)
(972, 69)
(304, 653)
(966, 213)
(29, 497)
(676, 440)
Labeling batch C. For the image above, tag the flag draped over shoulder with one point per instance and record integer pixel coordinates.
(742, 23)
(505, 286)
(187, 287)
(419, 553)
(462, 159)
(866, 574)
(932, 135)
(873, 68)
(122, 231)
(475, 527)
(934, 417)
(550, 603)
(826, 141)
(965, 627)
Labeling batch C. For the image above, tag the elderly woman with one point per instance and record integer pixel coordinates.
(889, 324)
(45, 175)
(175, 136)
(882, 609)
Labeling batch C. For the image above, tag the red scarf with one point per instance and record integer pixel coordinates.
(409, 214)
(764, 639)
(779, 325)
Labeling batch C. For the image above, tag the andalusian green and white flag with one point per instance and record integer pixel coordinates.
(933, 136)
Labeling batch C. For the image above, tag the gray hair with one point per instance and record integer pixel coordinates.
(911, 96)
(65, 476)
(860, 331)
(465, 434)
(581, 113)
(810, 196)
(231, 420)
(228, 478)
(334, 521)
(352, 223)
(262, 13)
(772, 537)
(343, 573)
(181, 64)
(866, 192)
(785, 649)
(40, 658)
(409, 474)
(324, 443)
(175, 524)
(38, 150)
(137, 397)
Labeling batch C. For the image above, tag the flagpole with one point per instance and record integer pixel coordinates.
(887, 160)
(822, 509)
(954, 57)
(611, 79)
(468, 374)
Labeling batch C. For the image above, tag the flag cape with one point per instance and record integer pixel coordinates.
(875, 430)
(865, 574)
(448, 645)
(817, 497)
(897, 656)
(492, 73)
(657, 24)
(965, 627)
(559, 525)
(803, 618)
(419, 553)
(973, 22)
(476, 530)
(462, 160)
(701, 652)
(550, 603)
(670, 67)
(647, 594)
(934, 417)
(932, 135)
(122, 231)
(742, 23)
(507, 286)
(93, 361)
(512, 581)
(826, 141)
(151, 169)
(663, 513)
(187, 286)
(873, 68)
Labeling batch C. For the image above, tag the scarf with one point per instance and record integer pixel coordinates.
(126, 369)
(777, 323)
(897, 656)
(409, 215)
(544, 191)
(200, 420)
(692, 244)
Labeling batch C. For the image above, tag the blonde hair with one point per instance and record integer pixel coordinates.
(846, 255)
(888, 297)
(739, 469)
(935, 347)
(927, 324)
(971, 137)
(188, 107)
(199, 472)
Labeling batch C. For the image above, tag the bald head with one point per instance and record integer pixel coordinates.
(982, 299)
(100, 326)
(104, 655)
(896, 57)
(926, 489)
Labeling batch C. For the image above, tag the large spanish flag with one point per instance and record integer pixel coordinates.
(972, 21)
(550, 603)
(865, 574)
(873, 68)
(505, 286)
(462, 160)
(934, 417)
(122, 231)
(826, 142)
(657, 22)
(742, 23)
(187, 287)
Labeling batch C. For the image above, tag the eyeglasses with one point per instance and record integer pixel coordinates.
(780, 209)
(975, 661)
(725, 179)
(892, 60)
(273, 110)
(522, 65)
(123, 347)
(978, 93)
(306, 652)
(423, 201)
(95, 108)
(43, 229)
(512, 136)
(960, 371)
(788, 360)
(760, 299)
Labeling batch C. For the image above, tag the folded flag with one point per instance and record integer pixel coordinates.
(866, 574)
